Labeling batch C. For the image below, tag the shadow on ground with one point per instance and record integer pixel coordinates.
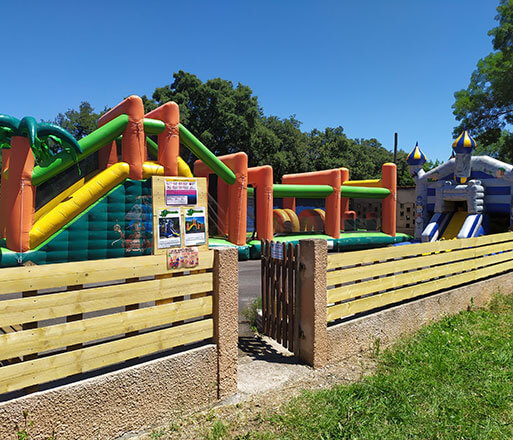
(258, 349)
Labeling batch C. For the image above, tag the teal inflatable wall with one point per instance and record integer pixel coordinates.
(120, 224)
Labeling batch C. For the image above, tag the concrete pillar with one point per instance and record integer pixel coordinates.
(312, 334)
(226, 317)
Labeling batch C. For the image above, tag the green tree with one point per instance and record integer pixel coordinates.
(486, 106)
(287, 151)
(221, 115)
(228, 119)
(79, 122)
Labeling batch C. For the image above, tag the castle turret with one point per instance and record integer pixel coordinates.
(415, 160)
(463, 147)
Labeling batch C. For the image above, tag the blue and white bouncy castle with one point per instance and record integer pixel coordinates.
(466, 196)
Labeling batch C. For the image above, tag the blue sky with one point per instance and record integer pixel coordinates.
(374, 67)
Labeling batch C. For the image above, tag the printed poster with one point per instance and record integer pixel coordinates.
(182, 258)
(169, 234)
(181, 192)
(277, 250)
(195, 229)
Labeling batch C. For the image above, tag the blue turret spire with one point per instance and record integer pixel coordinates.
(416, 157)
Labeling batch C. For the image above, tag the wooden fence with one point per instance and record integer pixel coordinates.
(47, 335)
(364, 280)
(279, 270)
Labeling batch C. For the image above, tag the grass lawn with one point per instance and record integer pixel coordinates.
(451, 380)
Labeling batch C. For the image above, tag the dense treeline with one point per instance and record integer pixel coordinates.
(485, 107)
(228, 119)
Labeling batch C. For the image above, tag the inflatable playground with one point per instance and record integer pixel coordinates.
(66, 200)
(282, 211)
(467, 196)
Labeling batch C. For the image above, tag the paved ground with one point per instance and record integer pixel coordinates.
(249, 283)
(269, 377)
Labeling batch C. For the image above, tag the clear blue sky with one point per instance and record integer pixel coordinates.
(373, 67)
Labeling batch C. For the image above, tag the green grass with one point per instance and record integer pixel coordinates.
(452, 380)
(251, 313)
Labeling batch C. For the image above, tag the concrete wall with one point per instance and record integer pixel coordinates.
(110, 405)
(144, 395)
(406, 210)
(318, 345)
(358, 335)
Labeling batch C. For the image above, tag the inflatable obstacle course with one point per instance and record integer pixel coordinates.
(67, 200)
(287, 223)
(105, 212)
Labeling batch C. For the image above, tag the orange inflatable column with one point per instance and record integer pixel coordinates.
(289, 203)
(108, 156)
(344, 201)
(237, 195)
(389, 207)
(262, 179)
(238, 198)
(223, 206)
(132, 144)
(332, 222)
(20, 195)
(332, 204)
(3, 192)
(201, 170)
(169, 139)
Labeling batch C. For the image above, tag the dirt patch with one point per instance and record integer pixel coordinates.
(269, 376)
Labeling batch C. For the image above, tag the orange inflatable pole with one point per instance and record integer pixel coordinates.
(327, 177)
(388, 222)
(237, 195)
(201, 170)
(108, 156)
(169, 139)
(223, 206)
(289, 203)
(20, 195)
(4, 209)
(132, 144)
(262, 179)
(344, 201)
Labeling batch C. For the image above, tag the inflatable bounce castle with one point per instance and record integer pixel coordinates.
(466, 196)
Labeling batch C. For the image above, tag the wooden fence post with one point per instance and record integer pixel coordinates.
(226, 318)
(312, 303)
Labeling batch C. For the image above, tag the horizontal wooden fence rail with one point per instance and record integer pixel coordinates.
(364, 280)
(18, 279)
(46, 336)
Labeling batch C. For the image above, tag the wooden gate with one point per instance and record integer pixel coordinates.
(279, 279)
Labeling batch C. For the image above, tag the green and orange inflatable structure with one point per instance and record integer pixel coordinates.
(106, 211)
(28, 163)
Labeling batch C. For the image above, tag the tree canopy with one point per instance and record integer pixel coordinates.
(486, 106)
(227, 118)
(79, 122)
